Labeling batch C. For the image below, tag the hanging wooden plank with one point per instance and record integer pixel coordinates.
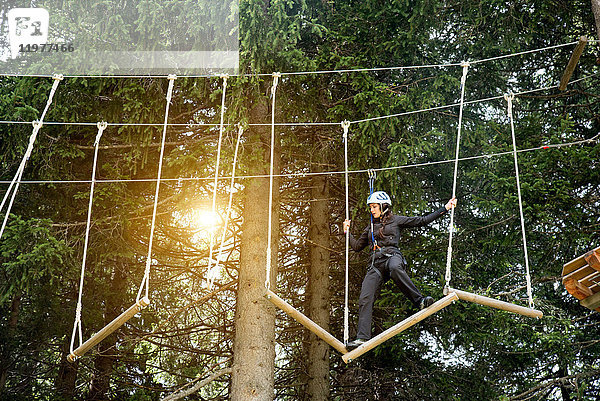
(572, 63)
(305, 321)
(495, 303)
(403, 325)
(109, 329)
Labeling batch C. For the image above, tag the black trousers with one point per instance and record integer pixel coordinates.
(391, 267)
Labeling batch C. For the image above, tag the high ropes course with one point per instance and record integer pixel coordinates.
(580, 276)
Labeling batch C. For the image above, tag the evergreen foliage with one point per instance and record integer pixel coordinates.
(464, 352)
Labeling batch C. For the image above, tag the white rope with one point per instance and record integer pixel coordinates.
(146, 280)
(306, 124)
(77, 325)
(440, 65)
(451, 228)
(331, 172)
(37, 125)
(213, 274)
(346, 126)
(509, 99)
(276, 76)
(216, 181)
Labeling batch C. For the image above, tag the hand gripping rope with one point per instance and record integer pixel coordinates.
(77, 325)
(214, 272)
(346, 126)
(276, 76)
(37, 125)
(509, 99)
(211, 271)
(463, 80)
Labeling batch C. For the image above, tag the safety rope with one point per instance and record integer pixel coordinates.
(509, 99)
(146, 280)
(77, 325)
(276, 77)
(463, 80)
(37, 125)
(214, 272)
(345, 127)
(216, 181)
(179, 180)
(440, 65)
(309, 124)
(372, 177)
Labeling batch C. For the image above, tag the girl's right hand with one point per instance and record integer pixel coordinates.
(346, 225)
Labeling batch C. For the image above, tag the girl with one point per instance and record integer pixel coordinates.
(387, 262)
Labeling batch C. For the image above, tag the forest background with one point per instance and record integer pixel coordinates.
(228, 342)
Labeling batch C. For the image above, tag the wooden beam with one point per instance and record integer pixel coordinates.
(593, 259)
(572, 63)
(403, 325)
(578, 274)
(576, 289)
(109, 329)
(495, 303)
(592, 302)
(573, 265)
(305, 321)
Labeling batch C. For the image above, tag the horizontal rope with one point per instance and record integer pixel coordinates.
(290, 73)
(596, 138)
(301, 124)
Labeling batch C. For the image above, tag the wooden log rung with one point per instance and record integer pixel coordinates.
(305, 321)
(109, 329)
(572, 63)
(403, 325)
(495, 303)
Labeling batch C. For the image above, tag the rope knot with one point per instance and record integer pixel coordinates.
(172, 76)
(345, 126)
(101, 127)
(37, 124)
(276, 76)
(509, 96)
(58, 77)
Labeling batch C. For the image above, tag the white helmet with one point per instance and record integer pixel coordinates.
(379, 197)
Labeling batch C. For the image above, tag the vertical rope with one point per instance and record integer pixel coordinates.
(146, 280)
(276, 76)
(509, 99)
(212, 274)
(16, 181)
(216, 180)
(346, 126)
(372, 177)
(77, 325)
(463, 80)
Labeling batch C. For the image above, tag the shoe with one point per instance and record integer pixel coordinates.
(426, 302)
(355, 344)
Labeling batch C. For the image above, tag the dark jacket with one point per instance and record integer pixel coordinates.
(391, 231)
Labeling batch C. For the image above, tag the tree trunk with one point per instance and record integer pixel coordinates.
(103, 361)
(252, 376)
(67, 375)
(596, 12)
(318, 294)
(5, 349)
